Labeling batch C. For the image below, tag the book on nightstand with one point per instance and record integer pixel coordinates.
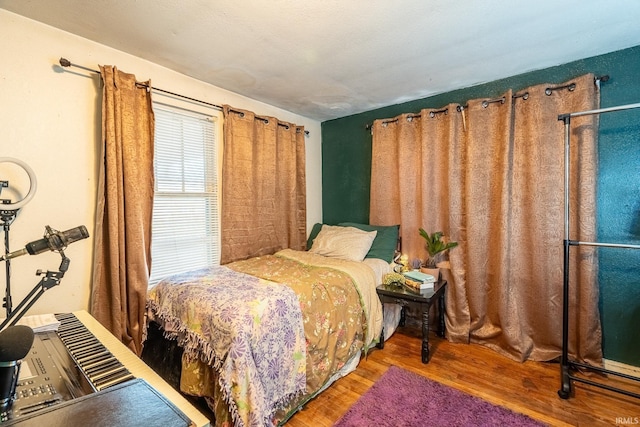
(419, 280)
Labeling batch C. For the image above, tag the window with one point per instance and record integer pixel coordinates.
(185, 209)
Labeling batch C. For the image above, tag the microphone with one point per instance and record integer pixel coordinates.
(50, 242)
(15, 344)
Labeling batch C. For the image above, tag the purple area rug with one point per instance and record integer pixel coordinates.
(402, 398)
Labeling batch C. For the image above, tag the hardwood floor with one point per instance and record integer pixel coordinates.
(529, 388)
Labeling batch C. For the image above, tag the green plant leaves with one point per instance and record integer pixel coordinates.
(434, 243)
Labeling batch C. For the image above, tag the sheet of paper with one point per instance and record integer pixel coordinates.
(40, 322)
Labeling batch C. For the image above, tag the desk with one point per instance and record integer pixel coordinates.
(404, 296)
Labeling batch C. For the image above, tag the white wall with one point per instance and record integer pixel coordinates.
(50, 119)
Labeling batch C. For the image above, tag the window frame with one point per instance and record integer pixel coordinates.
(208, 195)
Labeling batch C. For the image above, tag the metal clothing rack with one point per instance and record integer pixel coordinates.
(568, 367)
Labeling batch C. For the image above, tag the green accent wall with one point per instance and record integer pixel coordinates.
(346, 172)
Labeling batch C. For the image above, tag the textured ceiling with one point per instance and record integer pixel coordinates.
(326, 59)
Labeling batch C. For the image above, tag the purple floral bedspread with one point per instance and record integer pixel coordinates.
(255, 341)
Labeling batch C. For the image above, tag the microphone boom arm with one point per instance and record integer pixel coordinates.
(48, 281)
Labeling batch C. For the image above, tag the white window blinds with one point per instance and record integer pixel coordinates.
(185, 212)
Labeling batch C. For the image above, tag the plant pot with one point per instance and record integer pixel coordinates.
(435, 272)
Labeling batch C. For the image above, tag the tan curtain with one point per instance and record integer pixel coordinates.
(263, 186)
(491, 176)
(538, 149)
(122, 253)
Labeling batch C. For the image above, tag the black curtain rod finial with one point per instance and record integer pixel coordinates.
(65, 62)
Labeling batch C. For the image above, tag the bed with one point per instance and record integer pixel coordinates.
(261, 337)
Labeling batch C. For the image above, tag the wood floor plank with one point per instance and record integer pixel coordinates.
(529, 388)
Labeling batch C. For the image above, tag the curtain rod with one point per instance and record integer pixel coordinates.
(66, 63)
(548, 91)
(266, 121)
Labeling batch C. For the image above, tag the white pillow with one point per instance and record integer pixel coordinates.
(348, 243)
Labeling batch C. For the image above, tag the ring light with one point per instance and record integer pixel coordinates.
(33, 184)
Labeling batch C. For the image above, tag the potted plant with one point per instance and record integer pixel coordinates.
(435, 246)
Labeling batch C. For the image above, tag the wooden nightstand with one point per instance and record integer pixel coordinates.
(404, 296)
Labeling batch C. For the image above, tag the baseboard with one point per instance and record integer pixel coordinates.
(622, 368)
